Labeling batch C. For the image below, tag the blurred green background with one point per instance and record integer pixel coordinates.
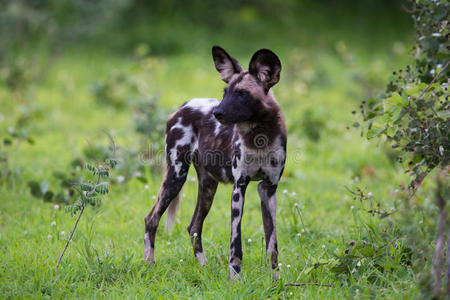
(70, 70)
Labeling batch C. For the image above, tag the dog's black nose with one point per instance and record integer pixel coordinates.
(218, 113)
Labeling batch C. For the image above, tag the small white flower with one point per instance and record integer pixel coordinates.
(296, 205)
(53, 224)
(49, 236)
(359, 263)
(303, 230)
(396, 191)
(291, 293)
(146, 187)
(181, 260)
(195, 234)
(56, 207)
(249, 240)
(421, 222)
(120, 179)
(136, 174)
(288, 266)
(357, 178)
(280, 264)
(294, 194)
(153, 197)
(323, 246)
(352, 207)
(369, 194)
(63, 233)
(299, 234)
(168, 243)
(183, 195)
(285, 191)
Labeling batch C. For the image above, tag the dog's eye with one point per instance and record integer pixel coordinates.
(242, 92)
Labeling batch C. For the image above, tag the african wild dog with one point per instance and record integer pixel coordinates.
(238, 140)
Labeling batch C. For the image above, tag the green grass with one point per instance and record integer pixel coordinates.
(105, 257)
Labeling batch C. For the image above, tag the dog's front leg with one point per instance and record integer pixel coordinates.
(237, 206)
(267, 193)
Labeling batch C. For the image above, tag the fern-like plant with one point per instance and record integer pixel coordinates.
(91, 193)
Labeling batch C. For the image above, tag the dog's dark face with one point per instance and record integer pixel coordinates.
(245, 95)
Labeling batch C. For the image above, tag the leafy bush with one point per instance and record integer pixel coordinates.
(413, 113)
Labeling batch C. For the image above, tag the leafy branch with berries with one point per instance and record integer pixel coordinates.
(413, 113)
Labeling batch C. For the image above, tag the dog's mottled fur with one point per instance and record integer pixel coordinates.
(238, 140)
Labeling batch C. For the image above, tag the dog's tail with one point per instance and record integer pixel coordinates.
(172, 213)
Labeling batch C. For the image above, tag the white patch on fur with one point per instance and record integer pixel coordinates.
(201, 258)
(254, 160)
(148, 251)
(236, 205)
(205, 105)
(224, 175)
(218, 128)
(187, 133)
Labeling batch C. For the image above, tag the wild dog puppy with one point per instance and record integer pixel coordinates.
(237, 140)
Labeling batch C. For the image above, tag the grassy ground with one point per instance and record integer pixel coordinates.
(320, 83)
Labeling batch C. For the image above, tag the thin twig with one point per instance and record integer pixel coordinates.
(432, 81)
(309, 284)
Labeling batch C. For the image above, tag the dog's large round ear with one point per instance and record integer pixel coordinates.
(265, 66)
(225, 64)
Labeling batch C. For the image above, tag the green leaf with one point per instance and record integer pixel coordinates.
(391, 131)
(86, 187)
(111, 162)
(90, 167)
(95, 200)
(395, 98)
(102, 188)
(103, 171)
(374, 132)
